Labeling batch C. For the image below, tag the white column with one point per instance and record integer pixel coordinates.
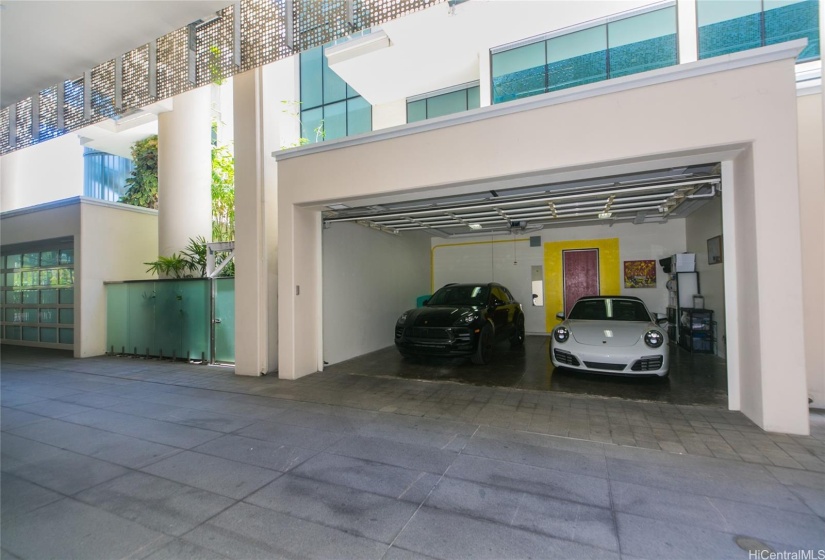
(688, 44)
(256, 114)
(185, 171)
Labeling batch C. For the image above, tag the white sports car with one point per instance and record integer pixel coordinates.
(610, 334)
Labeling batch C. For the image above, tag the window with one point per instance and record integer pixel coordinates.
(621, 46)
(726, 27)
(443, 102)
(104, 175)
(330, 108)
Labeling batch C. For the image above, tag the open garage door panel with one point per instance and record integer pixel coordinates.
(383, 256)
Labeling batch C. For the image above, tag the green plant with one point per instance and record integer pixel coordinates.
(143, 183)
(223, 194)
(292, 109)
(176, 266)
(215, 70)
(195, 254)
(189, 263)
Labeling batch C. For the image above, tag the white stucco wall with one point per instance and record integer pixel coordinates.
(370, 279)
(52, 170)
(740, 109)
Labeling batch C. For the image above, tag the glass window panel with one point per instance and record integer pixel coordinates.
(48, 258)
(519, 72)
(29, 315)
(48, 315)
(67, 296)
(2, 280)
(578, 58)
(48, 296)
(12, 333)
(30, 334)
(29, 278)
(335, 120)
(30, 296)
(473, 98)
(13, 315)
(786, 20)
(13, 279)
(48, 277)
(2, 295)
(417, 110)
(67, 256)
(335, 89)
(726, 27)
(359, 116)
(66, 336)
(641, 43)
(14, 297)
(48, 334)
(13, 261)
(66, 276)
(447, 104)
(311, 83)
(312, 125)
(31, 259)
(67, 316)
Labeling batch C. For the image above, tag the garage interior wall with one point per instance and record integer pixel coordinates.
(509, 261)
(701, 225)
(369, 278)
(741, 108)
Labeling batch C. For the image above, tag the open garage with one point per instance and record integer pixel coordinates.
(699, 114)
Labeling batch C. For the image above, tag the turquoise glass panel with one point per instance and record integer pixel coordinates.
(29, 278)
(30, 334)
(335, 120)
(117, 317)
(29, 315)
(726, 27)
(196, 318)
(66, 336)
(447, 104)
(642, 43)
(141, 318)
(359, 116)
(473, 98)
(67, 316)
(12, 333)
(12, 315)
(67, 296)
(417, 110)
(48, 334)
(2, 294)
(225, 313)
(335, 89)
(49, 315)
(49, 277)
(31, 259)
(519, 72)
(66, 256)
(14, 261)
(48, 296)
(30, 296)
(786, 20)
(576, 59)
(48, 258)
(311, 78)
(13, 279)
(66, 276)
(312, 125)
(14, 297)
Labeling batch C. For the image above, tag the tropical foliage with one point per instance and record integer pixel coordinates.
(143, 183)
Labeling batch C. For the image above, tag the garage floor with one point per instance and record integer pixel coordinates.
(695, 379)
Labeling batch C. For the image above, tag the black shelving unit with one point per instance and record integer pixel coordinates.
(696, 330)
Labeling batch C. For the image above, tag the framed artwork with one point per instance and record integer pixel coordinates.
(715, 250)
(640, 274)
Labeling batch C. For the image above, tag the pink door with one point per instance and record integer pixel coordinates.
(581, 275)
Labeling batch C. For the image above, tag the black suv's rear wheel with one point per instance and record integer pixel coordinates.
(484, 349)
(518, 335)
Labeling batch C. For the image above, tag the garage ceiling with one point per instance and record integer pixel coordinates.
(650, 197)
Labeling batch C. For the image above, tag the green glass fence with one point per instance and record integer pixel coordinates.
(167, 318)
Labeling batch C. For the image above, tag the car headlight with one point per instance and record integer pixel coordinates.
(561, 334)
(654, 339)
(403, 318)
(466, 319)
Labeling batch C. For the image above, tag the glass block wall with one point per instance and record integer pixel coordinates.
(37, 297)
(629, 45)
(330, 108)
(104, 175)
(440, 104)
(726, 27)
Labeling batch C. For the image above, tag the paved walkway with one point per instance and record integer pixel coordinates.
(126, 458)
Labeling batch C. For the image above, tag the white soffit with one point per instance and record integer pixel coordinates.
(440, 46)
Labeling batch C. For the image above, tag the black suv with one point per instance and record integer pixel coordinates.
(461, 320)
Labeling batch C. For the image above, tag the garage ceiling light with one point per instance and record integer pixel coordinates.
(474, 226)
(338, 207)
(605, 215)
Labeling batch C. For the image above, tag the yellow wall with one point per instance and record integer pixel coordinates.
(609, 272)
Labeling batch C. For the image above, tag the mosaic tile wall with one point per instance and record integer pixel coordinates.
(265, 37)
